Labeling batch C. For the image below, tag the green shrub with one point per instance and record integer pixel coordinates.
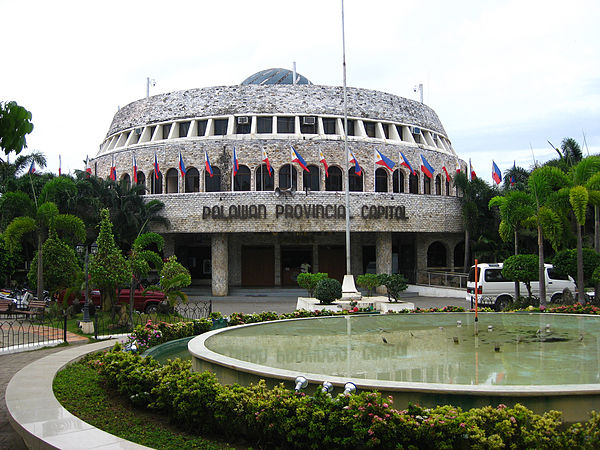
(523, 268)
(328, 290)
(394, 283)
(368, 281)
(308, 281)
(281, 418)
(565, 263)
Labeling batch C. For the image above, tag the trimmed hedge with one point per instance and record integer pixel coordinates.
(280, 418)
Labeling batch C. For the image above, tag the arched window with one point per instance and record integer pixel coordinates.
(398, 181)
(284, 177)
(171, 181)
(438, 185)
(192, 180)
(413, 183)
(426, 185)
(447, 187)
(126, 180)
(241, 181)
(334, 181)
(212, 184)
(311, 179)
(436, 255)
(264, 180)
(355, 182)
(381, 180)
(141, 179)
(155, 183)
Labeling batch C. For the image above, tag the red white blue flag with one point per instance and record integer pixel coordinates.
(512, 175)
(182, 168)
(59, 166)
(134, 168)
(324, 162)
(472, 170)
(207, 165)
(265, 159)
(496, 174)
(426, 168)
(32, 167)
(113, 170)
(405, 163)
(352, 160)
(446, 172)
(88, 169)
(236, 166)
(156, 167)
(298, 159)
(384, 161)
(457, 166)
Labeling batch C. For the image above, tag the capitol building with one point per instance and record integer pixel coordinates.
(253, 179)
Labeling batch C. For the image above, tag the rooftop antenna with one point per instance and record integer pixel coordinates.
(419, 88)
(148, 83)
(294, 79)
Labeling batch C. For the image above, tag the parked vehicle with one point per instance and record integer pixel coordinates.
(148, 302)
(495, 291)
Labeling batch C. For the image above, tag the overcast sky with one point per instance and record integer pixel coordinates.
(503, 76)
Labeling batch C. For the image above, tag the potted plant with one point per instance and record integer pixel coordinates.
(328, 290)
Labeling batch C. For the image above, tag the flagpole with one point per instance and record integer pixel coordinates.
(232, 170)
(348, 287)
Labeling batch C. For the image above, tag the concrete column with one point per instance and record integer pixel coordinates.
(450, 255)
(315, 259)
(421, 245)
(169, 246)
(277, 262)
(383, 256)
(220, 264)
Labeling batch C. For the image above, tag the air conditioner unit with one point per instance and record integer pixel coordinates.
(309, 120)
(416, 130)
(243, 120)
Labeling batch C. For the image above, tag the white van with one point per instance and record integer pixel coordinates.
(497, 292)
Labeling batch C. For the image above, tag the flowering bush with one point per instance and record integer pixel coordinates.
(154, 333)
(282, 418)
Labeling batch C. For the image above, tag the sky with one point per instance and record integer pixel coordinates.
(505, 77)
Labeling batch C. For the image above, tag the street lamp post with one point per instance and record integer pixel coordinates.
(93, 249)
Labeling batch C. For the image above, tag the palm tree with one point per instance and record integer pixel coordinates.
(515, 208)
(46, 216)
(10, 171)
(544, 184)
(584, 190)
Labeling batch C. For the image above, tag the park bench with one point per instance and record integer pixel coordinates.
(35, 307)
(6, 306)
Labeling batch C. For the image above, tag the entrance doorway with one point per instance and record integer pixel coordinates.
(332, 260)
(292, 258)
(197, 260)
(258, 266)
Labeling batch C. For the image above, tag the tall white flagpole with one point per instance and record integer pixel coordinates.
(348, 287)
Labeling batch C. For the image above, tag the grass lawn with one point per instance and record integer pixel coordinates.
(79, 390)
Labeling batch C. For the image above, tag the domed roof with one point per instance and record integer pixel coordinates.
(275, 76)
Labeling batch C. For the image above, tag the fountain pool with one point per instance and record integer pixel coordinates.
(544, 361)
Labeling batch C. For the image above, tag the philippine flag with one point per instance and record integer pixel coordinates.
(134, 166)
(32, 167)
(472, 170)
(236, 166)
(298, 159)
(512, 175)
(426, 167)
(182, 168)
(405, 163)
(384, 161)
(322, 160)
(446, 172)
(59, 166)
(457, 166)
(496, 174)
(88, 169)
(265, 159)
(353, 160)
(156, 167)
(207, 165)
(113, 171)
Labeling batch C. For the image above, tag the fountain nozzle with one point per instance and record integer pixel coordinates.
(349, 388)
(301, 383)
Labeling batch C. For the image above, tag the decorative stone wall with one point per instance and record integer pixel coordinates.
(274, 99)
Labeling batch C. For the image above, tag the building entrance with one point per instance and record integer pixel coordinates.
(292, 260)
(332, 260)
(258, 266)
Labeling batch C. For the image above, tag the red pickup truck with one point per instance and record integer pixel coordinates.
(148, 302)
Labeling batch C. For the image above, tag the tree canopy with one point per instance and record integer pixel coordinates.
(15, 123)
